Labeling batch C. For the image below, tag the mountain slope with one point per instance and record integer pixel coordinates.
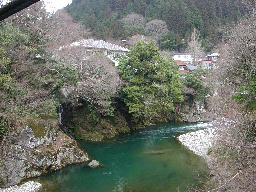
(104, 17)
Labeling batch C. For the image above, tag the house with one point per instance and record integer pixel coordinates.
(214, 56)
(209, 62)
(191, 67)
(94, 47)
(184, 57)
(184, 61)
(182, 66)
(206, 63)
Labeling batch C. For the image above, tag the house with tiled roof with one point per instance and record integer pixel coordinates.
(182, 66)
(93, 47)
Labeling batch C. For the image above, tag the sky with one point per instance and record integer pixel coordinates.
(51, 5)
(54, 5)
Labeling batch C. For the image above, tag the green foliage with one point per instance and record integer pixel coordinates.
(153, 85)
(37, 127)
(247, 95)
(181, 16)
(93, 116)
(30, 79)
(4, 57)
(171, 42)
(5, 82)
(11, 35)
(47, 109)
(197, 89)
(63, 74)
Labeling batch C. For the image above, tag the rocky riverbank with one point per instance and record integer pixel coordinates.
(202, 140)
(199, 141)
(30, 186)
(34, 149)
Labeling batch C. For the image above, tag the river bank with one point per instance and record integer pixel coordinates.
(30, 186)
(161, 152)
(128, 162)
(200, 141)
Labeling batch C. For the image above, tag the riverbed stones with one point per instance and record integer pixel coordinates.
(199, 141)
(30, 186)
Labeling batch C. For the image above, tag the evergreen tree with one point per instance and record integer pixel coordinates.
(153, 86)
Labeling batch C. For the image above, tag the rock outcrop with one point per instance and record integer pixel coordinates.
(199, 111)
(33, 150)
(94, 164)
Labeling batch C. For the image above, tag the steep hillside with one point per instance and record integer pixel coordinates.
(124, 18)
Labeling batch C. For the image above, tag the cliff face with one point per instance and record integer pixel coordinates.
(32, 150)
(199, 111)
(86, 123)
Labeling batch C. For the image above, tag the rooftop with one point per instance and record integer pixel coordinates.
(180, 63)
(97, 44)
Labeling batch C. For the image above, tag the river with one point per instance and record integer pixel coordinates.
(147, 161)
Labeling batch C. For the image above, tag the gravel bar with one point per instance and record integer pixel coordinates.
(30, 186)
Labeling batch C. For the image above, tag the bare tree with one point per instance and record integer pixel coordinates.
(135, 38)
(194, 47)
(235, 78)
(98, 77)
(156, 28)
(64, 30)
(133, 21)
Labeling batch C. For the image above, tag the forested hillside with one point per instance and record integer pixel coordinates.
(124, 18)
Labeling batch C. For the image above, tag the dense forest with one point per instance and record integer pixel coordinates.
(124, 18)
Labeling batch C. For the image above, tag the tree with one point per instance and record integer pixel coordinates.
(168, 42)
(98, 80)
(135, 38)
(152, 84)
(194, 47)
(235, 79)
(30, 77)
(180, 16)
(195, 88)
(64, 30)
(239, 62)
(156, 28)
(134, 23)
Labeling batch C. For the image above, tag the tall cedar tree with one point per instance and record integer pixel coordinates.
(153, 86)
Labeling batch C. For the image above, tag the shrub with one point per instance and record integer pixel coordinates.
(196, 89)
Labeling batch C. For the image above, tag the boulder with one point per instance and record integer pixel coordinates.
(31, 151)
(94, 164)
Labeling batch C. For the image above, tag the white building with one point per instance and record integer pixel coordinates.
(93, 47)
(186, 58)
(214, 56)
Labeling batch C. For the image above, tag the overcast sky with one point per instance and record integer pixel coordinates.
(51, 5)
(54, 5)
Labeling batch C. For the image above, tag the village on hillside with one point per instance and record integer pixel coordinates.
(185, 61)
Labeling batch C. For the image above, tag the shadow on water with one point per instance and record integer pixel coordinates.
(146, 161)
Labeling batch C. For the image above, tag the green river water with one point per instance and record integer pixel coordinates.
(147, 161)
